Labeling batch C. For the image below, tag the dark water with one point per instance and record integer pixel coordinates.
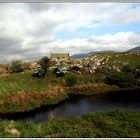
(79, 105)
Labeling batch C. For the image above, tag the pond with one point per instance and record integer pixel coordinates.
(78, 105)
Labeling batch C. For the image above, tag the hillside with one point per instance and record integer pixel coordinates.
(111, 61)
(136, 49)
(84, 55)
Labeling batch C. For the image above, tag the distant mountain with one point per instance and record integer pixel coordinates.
(136, 49)
(83, 55)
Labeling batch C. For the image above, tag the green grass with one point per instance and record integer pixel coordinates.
(20, 92)
(112, 124)
(18, 81)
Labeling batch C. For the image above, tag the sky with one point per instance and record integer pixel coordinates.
(29, 31)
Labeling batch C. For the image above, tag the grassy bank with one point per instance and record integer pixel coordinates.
(110, 124)
(20, 92)
(90, 88)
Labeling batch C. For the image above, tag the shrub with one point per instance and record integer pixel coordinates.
(55, 70)
(75, 68)
(71, 80)
(58, 72)
(16, 66)
(128, 68)
(44, 63)
(38, 71)
(121, 79)
(137, 73)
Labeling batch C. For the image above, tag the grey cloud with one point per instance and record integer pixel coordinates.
(38, 7)
(8, 45)
(28, 31)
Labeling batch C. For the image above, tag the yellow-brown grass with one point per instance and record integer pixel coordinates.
(90, 87)
(5, 75)
(24, 97)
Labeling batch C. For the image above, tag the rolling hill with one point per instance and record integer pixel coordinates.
(83, 55)
(136, 49)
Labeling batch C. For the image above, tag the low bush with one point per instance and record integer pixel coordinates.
(16, 66)
(71, 79)
(38, 71)
(58, 72)
(75, 68)
(44, 63)
(122, 79)
(128, 68)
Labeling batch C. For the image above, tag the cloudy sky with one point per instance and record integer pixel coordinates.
(29, 31)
